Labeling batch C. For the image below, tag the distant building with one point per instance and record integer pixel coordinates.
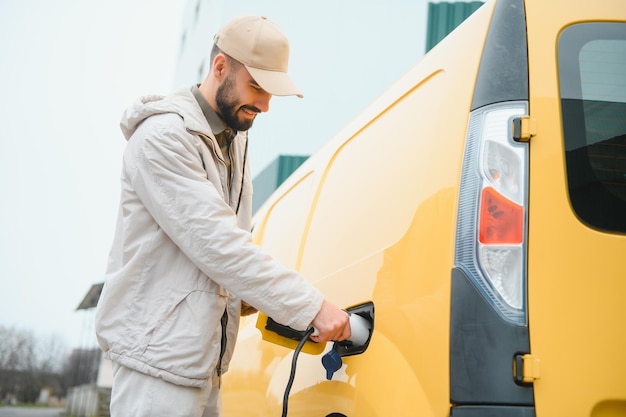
(91, 399)
(272, 176)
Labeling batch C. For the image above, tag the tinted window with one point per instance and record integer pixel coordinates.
(592, 73)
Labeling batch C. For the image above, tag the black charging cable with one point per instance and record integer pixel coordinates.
(292, 375)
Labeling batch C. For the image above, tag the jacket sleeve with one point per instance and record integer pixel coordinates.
(166, 171)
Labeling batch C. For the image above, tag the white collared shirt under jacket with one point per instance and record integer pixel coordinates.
(181, 254)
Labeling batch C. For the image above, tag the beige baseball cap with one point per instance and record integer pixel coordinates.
(262, 48)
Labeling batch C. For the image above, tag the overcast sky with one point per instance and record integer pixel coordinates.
(67, 70)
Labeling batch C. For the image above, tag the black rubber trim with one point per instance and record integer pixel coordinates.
(503, 72)
(285, 331)
(479, 411)
(482, 350)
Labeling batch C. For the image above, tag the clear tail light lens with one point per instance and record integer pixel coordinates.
(492, 216)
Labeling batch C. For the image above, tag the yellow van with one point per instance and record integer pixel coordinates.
(475, 213)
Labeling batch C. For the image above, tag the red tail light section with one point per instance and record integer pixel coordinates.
(501, 221)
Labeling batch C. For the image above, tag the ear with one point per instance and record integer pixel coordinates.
(219, 66)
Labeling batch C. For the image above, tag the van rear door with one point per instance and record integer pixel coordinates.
(577, 212)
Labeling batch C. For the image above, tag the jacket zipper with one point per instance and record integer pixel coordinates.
(224, 322)
(243, 175)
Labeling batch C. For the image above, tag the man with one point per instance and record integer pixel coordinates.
(182, 258)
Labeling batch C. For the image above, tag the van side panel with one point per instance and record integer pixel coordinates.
(375, 222)
(382, 228)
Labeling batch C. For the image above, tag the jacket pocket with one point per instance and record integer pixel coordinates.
(186, 341)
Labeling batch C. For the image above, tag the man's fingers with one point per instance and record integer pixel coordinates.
(334, 335)
(332, 323)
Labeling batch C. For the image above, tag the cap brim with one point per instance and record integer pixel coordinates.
(276, 83)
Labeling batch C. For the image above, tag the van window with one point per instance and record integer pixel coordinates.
(592, 78)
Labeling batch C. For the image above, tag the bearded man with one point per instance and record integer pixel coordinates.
(183, 265)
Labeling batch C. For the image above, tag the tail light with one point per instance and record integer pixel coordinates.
(492, 216)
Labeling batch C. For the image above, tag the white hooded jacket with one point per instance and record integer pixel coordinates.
(182, 252)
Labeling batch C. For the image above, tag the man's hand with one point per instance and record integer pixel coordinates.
(332, 323)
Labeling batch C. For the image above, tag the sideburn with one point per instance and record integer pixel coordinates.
(228, 105)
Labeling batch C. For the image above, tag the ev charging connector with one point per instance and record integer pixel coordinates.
(361, 327)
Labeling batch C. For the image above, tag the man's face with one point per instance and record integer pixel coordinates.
(239, 99)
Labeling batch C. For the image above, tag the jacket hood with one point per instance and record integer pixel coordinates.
(180, 102)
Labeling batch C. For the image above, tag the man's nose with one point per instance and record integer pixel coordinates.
(263, 101)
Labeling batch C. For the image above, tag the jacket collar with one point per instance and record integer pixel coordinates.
(181, 102)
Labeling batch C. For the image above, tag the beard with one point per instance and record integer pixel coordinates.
(228, 106)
